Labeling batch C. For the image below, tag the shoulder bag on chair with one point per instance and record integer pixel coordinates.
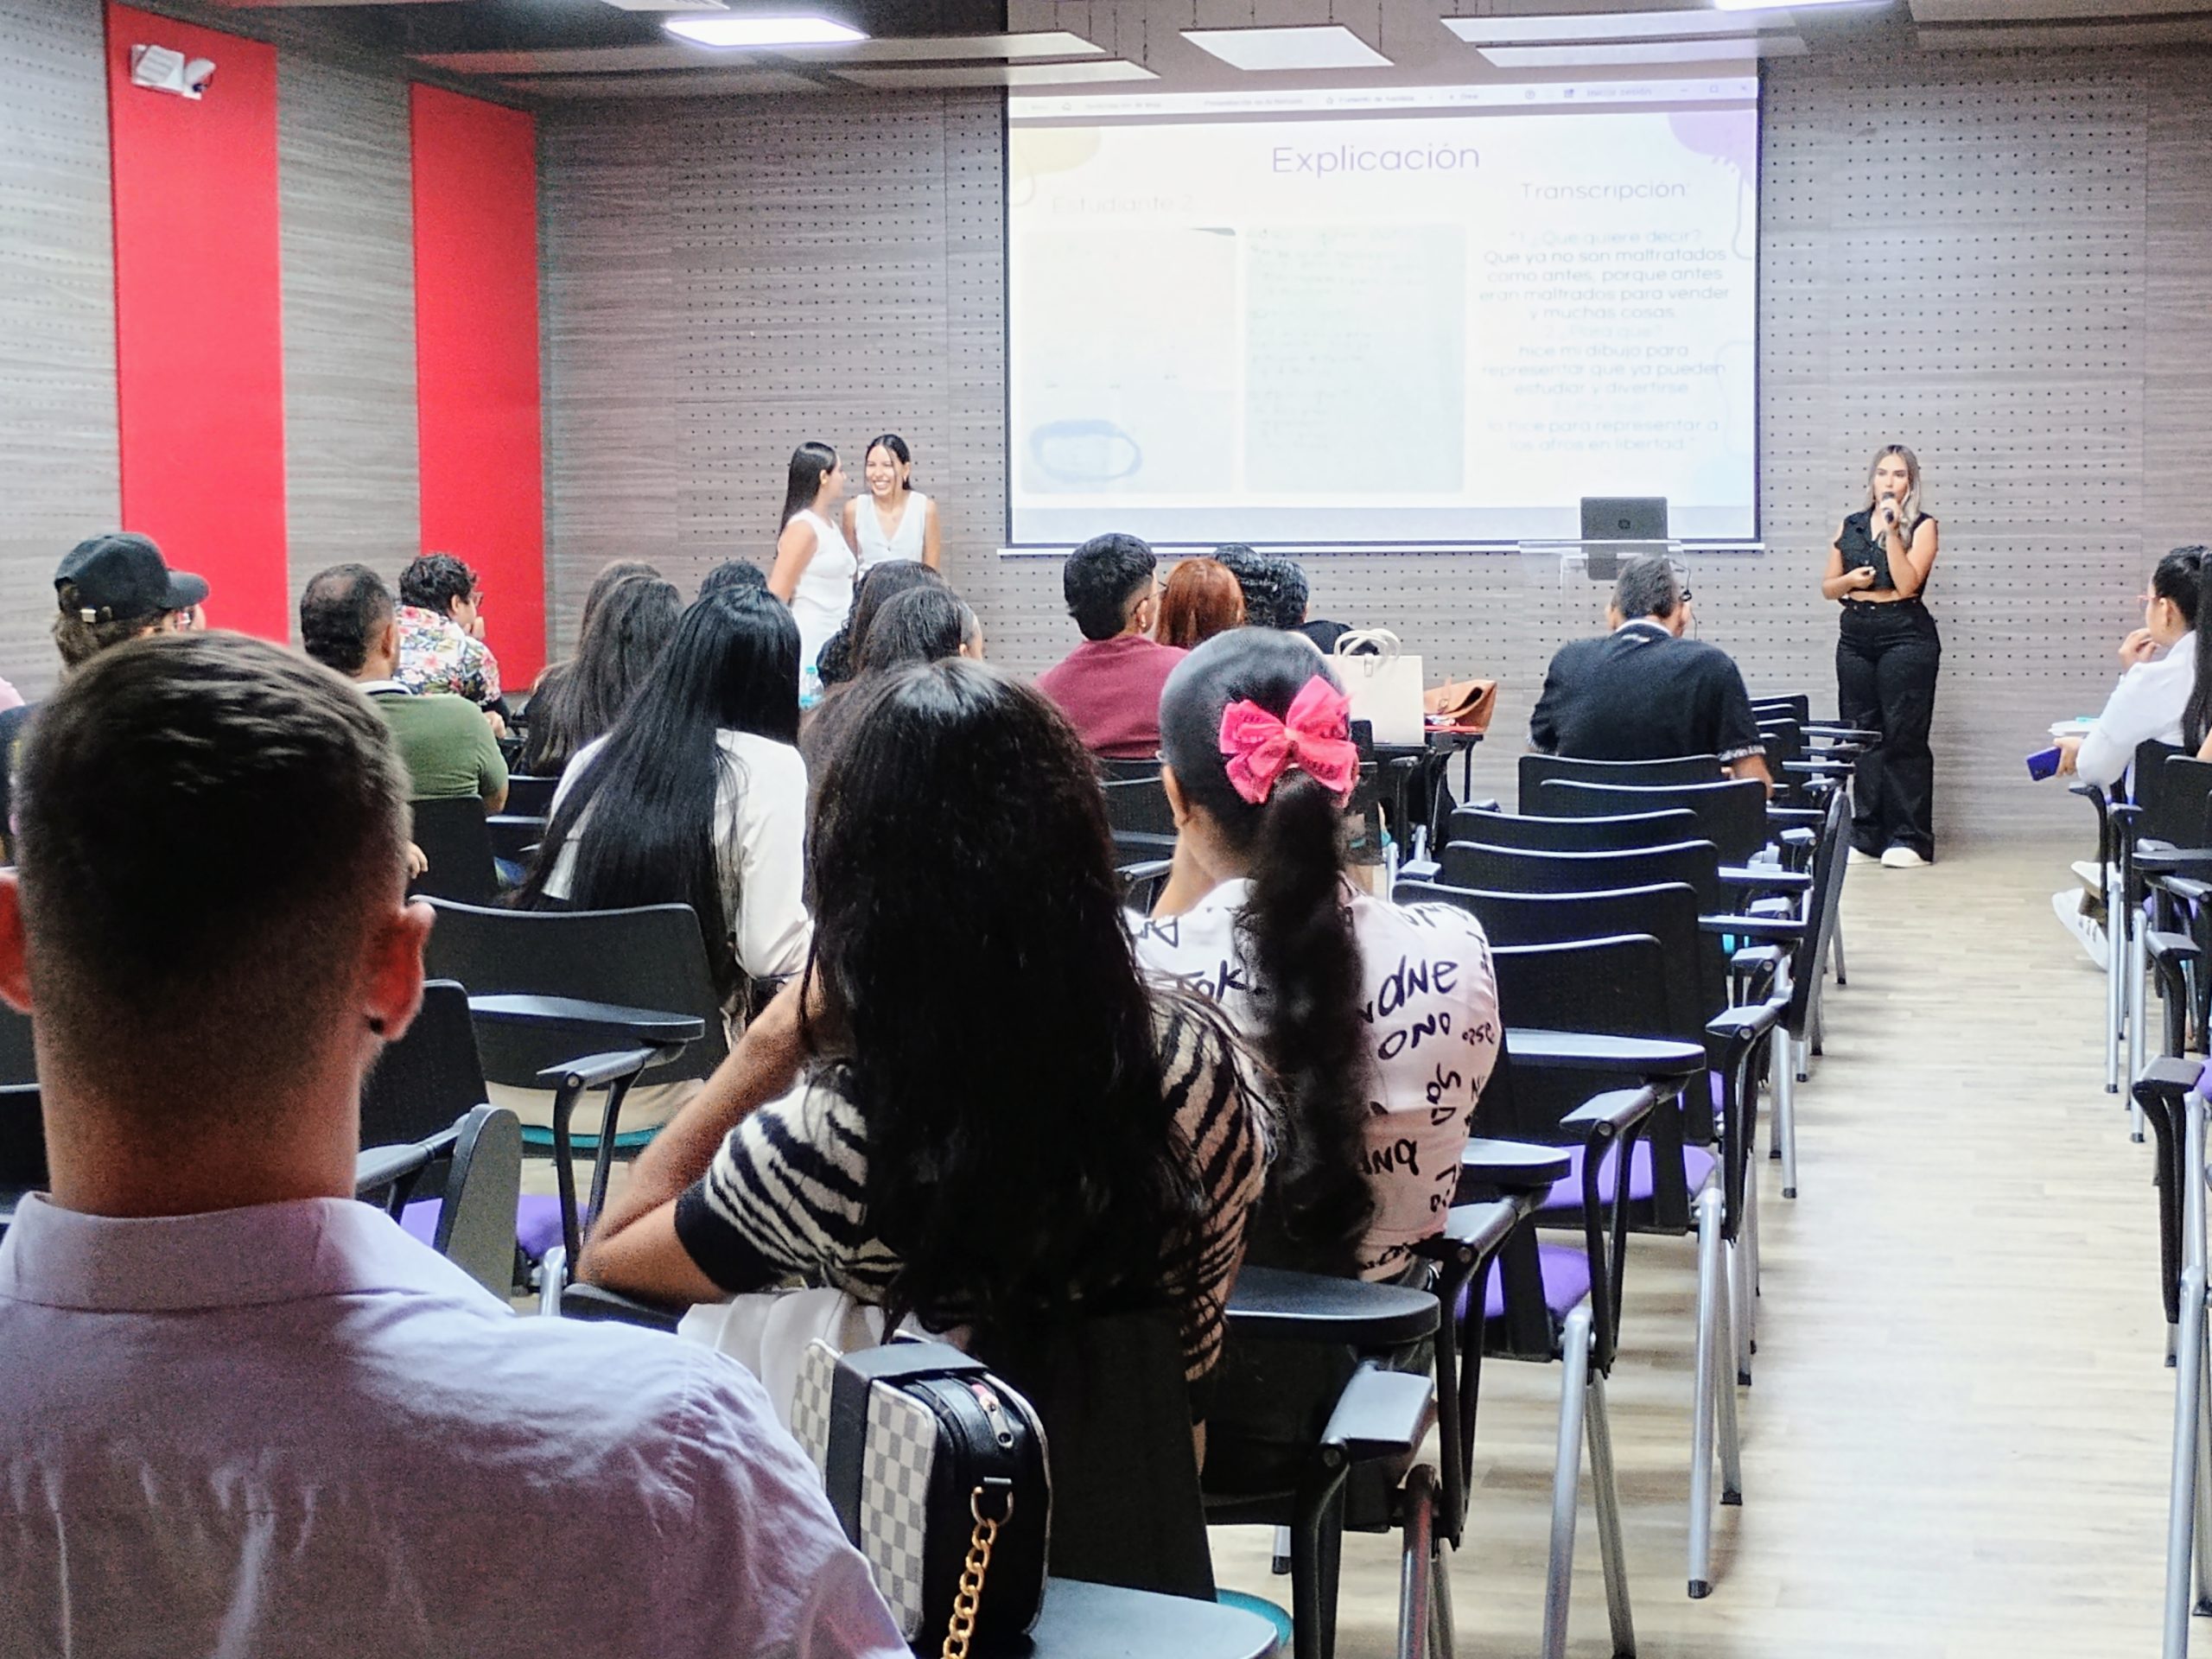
(1383, 685)
(1466, 705)
(937, 1471)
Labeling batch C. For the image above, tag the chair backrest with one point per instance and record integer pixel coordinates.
(23, 1144)
(483, 1180)
(1574, 835)
(1501, 869)
(459, 847)
(2189, 779)
(2169, 787)
(1113, 771)
(1537, 769)
(1798, 708)
(1138, 805)
(429, 1078)
(1109, 1391)
(1559, 987)
(1731, 814)
(18, 1062)
(532, 797)
(652, 956)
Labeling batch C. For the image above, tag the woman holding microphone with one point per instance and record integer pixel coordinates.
(1885, 663)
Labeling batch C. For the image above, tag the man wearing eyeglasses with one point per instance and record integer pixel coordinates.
(1644, 692)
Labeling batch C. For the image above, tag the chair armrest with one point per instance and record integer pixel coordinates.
(2125, 811)
(2173, 861)
(1820, 766)
(1512, 1165)
(1841, 734)
(1753, 927)
(1275, 1304)
(612, 1306)
(2171, 947)
(2187, 889)
(1746, 1023)
(1796, 838)
(1615, 1110)
(1765, 878)
(377, 1168)
(1420, 869)
(1621, 1057)
(606, 1021)
(1808, 817)
(1381, 1413)
(597, 1070)
(2169, 1078)
(1481, 1227)
(2094, 792)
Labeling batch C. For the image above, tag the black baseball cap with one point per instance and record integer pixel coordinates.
(119, 576)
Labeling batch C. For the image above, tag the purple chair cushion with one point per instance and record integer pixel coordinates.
(1566, 1282)
(538, 1222)
(1566, 1192)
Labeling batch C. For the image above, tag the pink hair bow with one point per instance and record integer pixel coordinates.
(1312, 737)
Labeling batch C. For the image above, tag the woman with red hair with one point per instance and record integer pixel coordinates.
(1202, 598)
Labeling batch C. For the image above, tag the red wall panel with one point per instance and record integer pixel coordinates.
(476, 359)
(198, 316)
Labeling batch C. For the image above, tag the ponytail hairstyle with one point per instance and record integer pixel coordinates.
(2184, 577)
(1294, 939)
(1909, 513)
(811, 462)
(894, 446)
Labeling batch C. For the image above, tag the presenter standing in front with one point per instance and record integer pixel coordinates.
(894, 520)
(1885, 663)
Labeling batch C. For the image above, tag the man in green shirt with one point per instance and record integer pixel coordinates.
(348, 622)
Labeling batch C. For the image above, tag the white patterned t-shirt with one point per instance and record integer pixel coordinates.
(1429, 999)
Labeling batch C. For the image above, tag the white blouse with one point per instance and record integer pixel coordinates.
(824, 597)
(904, 543)
(1430, 1004)
(759, 839)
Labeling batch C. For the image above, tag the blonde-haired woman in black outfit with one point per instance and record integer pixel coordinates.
(1885, 662)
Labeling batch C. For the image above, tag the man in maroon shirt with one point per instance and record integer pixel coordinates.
(1109, 686)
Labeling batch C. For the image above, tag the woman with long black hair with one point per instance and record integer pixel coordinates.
(1885, 662)
(576, 701)
(892, 520)
(1002, 1127)
(1377, 1021)
(708, 794)
(814, 569)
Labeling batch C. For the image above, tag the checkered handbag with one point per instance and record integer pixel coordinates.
(918, 1446)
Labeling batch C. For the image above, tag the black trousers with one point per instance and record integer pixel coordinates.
(1885, 663)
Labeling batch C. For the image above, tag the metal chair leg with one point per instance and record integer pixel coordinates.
(2139, 967)
(552, 1279)
(2181, 1505)
(1785, 1118)
(1443, 1632)
(1607, 1490)
(1567, 1478)
(1804, 1058)
(1732, 1457)
(2114, 944)
(1711, 1296)
(1742, 1267)
(1835, 951)
(1417, 1565)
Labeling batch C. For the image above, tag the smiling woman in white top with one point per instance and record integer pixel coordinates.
(709, 794)
(894, 520)
(814, 568)
(2154, 694)
(1377, 1021)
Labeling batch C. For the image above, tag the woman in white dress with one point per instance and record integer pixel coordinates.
(894, 520)
(814, 569)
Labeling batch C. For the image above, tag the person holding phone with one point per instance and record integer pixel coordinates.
(1885, 662)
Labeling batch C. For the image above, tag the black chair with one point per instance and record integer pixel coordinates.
(1112, 771)
(530, 797)
(18, 1059)
(478, 1161)
(514, 837)
(1573, 835)
(626, 990)
(454, 839)
(1536, 770)
(1137, 812)
(1731, 814)
(22, 1148)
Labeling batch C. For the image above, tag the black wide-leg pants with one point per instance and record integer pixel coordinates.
(1885, 664)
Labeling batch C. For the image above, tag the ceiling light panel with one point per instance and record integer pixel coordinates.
(1610, 54)
(1305, 45)
(763, 32)
(1603, 26)
(998, 75)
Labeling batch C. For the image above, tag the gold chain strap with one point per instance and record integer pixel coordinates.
(969, 1595)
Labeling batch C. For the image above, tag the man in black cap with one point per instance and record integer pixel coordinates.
(108, 589)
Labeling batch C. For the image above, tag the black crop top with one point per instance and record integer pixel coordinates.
(1859, 547)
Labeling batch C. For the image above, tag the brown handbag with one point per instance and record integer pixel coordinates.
(1467, 704)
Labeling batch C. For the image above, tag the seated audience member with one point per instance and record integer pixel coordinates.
(108, 589)
(243, 1413)
(999, 1124)
(1259, 576)
(2162, 693)
(840, 654)
(623, 637)
(1109, 686)
(925, 624)
(347, 623)
(1324, 980)
(9, 697)
(550, 677)
(441, 631)
(1199, 600)
(731, 573)
(708, 798)
(1293, 611)
(1645, 693)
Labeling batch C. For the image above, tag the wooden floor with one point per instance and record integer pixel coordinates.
(1957, 1441)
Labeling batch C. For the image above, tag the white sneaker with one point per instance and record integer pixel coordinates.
(2087, 932)
(1903, 858)
(1858, 857)
(2086, 869)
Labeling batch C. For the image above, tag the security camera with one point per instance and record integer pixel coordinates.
(162, 70)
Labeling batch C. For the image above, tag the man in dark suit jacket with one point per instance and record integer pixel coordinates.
(1645, 693)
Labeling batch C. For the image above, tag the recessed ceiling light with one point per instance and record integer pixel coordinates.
(1304, 46)
(764, 31)
(1600, 26)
